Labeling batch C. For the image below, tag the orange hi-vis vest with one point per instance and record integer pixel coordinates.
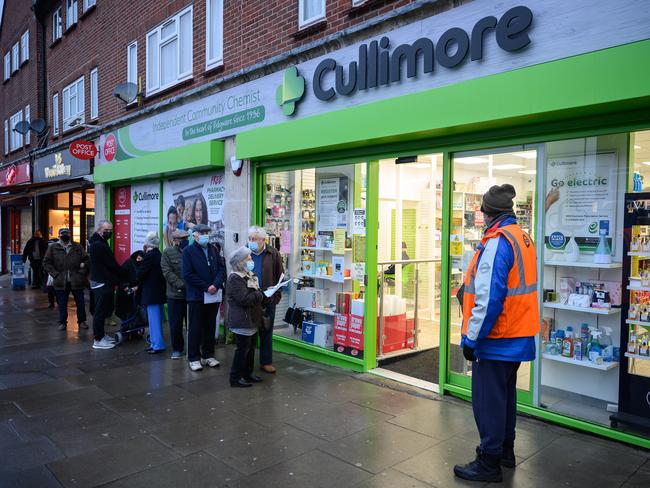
(520, 316)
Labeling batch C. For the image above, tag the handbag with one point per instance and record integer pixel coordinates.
(294, 316)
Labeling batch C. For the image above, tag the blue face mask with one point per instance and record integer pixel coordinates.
(250, 266)
(204, 240)
(253, 246)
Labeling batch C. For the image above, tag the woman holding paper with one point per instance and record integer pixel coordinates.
(245, 316)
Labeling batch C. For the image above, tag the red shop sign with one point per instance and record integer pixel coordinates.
(110, 147)
(83, 150)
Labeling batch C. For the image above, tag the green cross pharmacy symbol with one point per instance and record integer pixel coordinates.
(290, 91)
(135, 197)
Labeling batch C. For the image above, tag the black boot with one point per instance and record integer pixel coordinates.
(508, 459)
(484, 468)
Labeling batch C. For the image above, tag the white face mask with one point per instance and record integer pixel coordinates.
(250, 266)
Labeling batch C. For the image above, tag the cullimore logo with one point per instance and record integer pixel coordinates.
(290, 91)
(143, 196)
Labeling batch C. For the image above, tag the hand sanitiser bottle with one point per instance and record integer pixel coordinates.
(603, 254)
(607, 346)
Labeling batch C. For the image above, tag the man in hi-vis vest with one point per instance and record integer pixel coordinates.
(500, 321)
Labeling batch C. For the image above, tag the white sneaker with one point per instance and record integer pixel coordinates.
(104, 343)
(110, 338)
(196, 365)
(212, 362)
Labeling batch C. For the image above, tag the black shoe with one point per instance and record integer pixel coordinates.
(155, 351)
(253, 379)
(149, 349)
(508, 459)
(50, 306)
(484, 468)
(241, 383)
(63, 326)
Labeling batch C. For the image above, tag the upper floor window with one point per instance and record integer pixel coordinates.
(15, 57)
(89, 3)
(310, 12)
(214, 33)
(16, 137)
(7, 67)
(28, 119)
(169, 52)
(24, 46)
(356, 3)
(55, 114)
(94, 94)
(71, 13)
(57, 26)
(6, 137)
(73, 104)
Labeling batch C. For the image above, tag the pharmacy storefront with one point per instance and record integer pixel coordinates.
(368, 165)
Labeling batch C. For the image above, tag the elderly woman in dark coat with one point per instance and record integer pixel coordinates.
(245, 315)
(153, 288)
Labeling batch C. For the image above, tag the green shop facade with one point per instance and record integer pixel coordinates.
(366, 166)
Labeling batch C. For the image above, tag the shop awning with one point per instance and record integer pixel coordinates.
(20, 193)
(192, 158)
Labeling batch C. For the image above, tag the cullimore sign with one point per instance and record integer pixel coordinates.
(478, 39)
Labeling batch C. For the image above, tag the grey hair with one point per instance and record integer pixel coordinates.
(101, 224)
(152, 239)
(257, 230)
(236, 259)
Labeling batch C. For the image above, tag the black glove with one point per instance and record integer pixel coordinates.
(468, 352)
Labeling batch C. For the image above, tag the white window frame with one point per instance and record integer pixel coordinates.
(71, 13)
(15, 57)
(7, 66)
(16, 138)
(217, 59)
(94, 94)
(57, 25)
(356, 3)
(132, 65)
(27, 119)
(24, 46)
(55, 114)
(6, 137)
(303, 22)
(76, 89)
(154, 36)
(89, 3)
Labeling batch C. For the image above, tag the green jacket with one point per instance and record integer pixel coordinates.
(171, 270)
(71, 266)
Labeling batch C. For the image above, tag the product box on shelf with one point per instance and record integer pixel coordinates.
(567, 286)
(340, 339)
(399, 332)
(308, 331)
(355, 336)
(308, 298)
(323, 335)
(357, 307)
(615, 292)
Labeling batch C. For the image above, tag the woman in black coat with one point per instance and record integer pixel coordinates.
(153, 287)
(127, 298)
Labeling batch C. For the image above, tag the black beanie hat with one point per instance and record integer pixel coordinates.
(498, 199)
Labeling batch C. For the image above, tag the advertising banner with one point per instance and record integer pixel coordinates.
(332, 204)
(122, 223)
(581, 192)
(59, 166)
(15, 174)
(191, 201)
(145, 212)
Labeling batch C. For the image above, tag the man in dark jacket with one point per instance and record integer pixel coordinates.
(204, 276)
(176, 303)
(268, 268)
(35, 250)
(67, 263)
(104, 276)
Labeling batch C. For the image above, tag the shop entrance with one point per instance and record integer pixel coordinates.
(409, 265)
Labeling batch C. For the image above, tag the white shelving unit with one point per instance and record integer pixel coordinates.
(321, 311)
(637, 322)
(307, 248)
(638, 288)
(598, 311)
(584, 363)
(580, 264)
(639, 254)
(326, 278)
(637, 356)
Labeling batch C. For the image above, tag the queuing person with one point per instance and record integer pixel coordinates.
(35, 250)
(245, 316)
(204, 275)
(152, 287)
(49, 284)
(500, 321)
(170, 226)
(104, 276)
(127, 298)
(268, 269)
(176, 303)
(67, 263)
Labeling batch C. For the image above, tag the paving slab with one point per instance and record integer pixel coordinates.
(19, 456)
(38, 477)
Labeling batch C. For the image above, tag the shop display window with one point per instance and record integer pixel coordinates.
(640, 150)
(316, 218)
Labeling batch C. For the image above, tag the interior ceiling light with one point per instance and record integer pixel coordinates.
(647, 163)
(526, 154)
(508, 166)
(636, 146)
(471, 160)
(528, 172)
(420, 165)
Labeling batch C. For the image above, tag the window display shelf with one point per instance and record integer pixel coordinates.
(637, 322)
(321, 277)
(598, 311)
(638, 288)
(320, 310)
(578, 264)
(585, 362)
(307, 248)
(636, 356)
(639, 254)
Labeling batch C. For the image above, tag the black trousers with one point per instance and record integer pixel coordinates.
(177, 310)
(62, 297)
(37, 272)
(266, 339)
(244, 359)
(104, 306)
(494, 401)
(201, 329)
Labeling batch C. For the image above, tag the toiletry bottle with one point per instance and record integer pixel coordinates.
(559, 338)
(595, 351)
(578, 350)
(567, 343)
(603, 254)
(607, 346)
(584, 333)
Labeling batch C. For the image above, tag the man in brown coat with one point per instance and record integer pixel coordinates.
(268, 268)
(68, 264)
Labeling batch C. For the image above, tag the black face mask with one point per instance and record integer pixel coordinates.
(65, 239)
(183, 244)
(107, 234)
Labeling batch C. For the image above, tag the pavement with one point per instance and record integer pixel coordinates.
(75, 417)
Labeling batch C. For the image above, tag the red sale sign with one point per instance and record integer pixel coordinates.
(83, 150)
(122, 223)
(110, 148)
